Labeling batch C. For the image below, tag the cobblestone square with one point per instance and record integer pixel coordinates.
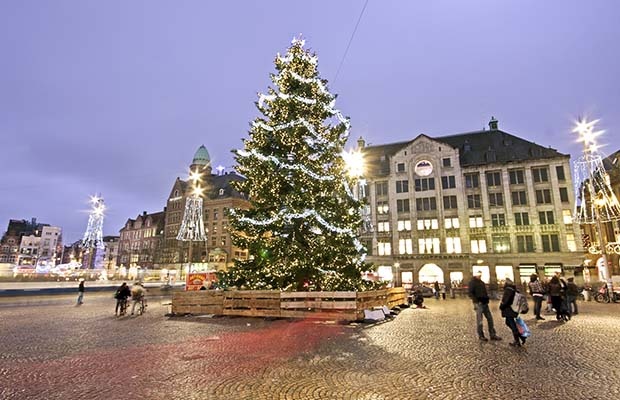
(51, 349)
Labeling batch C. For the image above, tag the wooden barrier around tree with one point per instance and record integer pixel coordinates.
(348, 306)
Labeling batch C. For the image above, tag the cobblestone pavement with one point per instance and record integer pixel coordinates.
(50, 349)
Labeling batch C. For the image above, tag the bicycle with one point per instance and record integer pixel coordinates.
(123, 307)
(143, 305)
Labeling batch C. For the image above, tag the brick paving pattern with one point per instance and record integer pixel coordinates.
(50, 349)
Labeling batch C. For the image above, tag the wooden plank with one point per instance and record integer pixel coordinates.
(344, 316)
(321, 305)
(322, 295)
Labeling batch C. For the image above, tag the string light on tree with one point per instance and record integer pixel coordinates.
(301, 229)
(93, 236)
(192, 226)
(597, 203)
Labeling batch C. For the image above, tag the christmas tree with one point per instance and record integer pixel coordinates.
(301, 229)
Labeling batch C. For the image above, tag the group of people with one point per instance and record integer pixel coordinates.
(562, 296)
(137, 293)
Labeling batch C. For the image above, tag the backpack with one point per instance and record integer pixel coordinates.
(519, 304)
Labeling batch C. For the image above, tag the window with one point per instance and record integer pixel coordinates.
(428, 245)
(426, 204)
(525, 243)
(475, 221)
(473, 201)
(559, 171)
(383, 226)
(519, 198)
(501, 244)
(426, 224)
(550, 243)
(446, 162)
(522, 218)
(540, 175)
(402, 205)
(472, 180)
(449, 202)
(543, 196)
(215, 214)
(382, 207)
(402, 186)
(494, 178)
(451, 223)
(516, 177)
(570, 242)
(498, 220)
(567, 217)
(448, 182)
(384, 248)
(400, 167)
(546, 217)
(478, 246)
(381, 188)
(453, 245)
(404, 225)
(424, 184)
(405, 246)
(564, 195)
(496, 199)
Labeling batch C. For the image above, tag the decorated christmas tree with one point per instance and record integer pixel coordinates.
(302, 227)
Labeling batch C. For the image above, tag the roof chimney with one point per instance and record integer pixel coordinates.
(361, 143)
(493, 124)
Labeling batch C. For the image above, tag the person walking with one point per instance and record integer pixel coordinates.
(480, 298)
(80, 299)
(122, 294)
(509, 314)
(538, 294)
(436, 290)
(572, 291)
(555, 291)
(137, 295)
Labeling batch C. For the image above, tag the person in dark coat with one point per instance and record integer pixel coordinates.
(80, 299)
(436, 290)
(509, 314)
(537, 291)
(480, 298)
(122, 294)
(572, 291)
(555, 291)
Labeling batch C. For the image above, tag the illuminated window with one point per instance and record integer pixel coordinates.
(451, 223)
(567, 217)
(570, 242)
(478, 245)
(405, 246)
(453, 245)
(427, 224)
(428, 246)
(404, 225)
(384, 248)
(383, 226)
(475, 221)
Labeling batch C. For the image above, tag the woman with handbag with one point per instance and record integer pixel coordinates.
(509, 314)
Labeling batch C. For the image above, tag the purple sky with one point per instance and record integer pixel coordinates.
(114, 97)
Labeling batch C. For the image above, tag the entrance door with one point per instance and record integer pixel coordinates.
(430, 273)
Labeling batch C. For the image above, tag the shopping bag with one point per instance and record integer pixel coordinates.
(522, 327)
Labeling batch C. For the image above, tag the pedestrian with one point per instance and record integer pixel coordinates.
(137, 295)
(436, 290)
(555, 292)
(80, 299)
(121, 296)
(480, 298)
(572, 291)
(538, 294)
(509, 314)
(442, 290)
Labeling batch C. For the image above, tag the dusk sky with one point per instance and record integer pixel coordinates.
(114, 97)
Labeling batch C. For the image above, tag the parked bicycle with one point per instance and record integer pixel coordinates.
(604, 296)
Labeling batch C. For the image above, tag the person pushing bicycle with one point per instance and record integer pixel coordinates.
(121, 296)
(138, 293)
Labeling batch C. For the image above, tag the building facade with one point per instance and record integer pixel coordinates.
(443, 207)
(140, 241)
(219, 196)
(29, 243)
(110, 257)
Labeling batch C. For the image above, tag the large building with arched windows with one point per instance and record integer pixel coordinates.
(443, 207)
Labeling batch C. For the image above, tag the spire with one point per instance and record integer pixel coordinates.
(202, 156)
